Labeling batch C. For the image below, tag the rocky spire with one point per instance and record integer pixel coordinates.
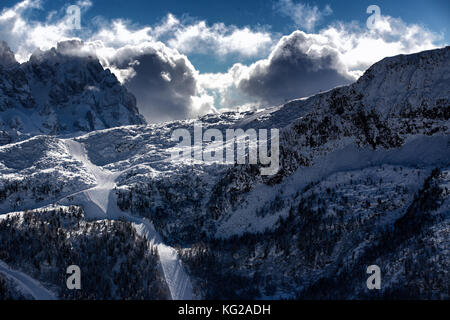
(7, 58)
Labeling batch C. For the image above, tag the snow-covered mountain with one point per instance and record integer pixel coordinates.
(364, 179)
(60, 91)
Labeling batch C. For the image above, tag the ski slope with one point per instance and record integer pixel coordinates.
(96, 201)
(100, 202)
(26, 284)
(176, 278)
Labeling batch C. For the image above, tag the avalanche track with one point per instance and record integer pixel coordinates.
(100, 203)
(26, 284)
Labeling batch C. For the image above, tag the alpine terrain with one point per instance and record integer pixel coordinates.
(364, 180)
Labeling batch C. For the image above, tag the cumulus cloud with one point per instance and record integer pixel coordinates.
(303, 15)
(360, 47)
(25, 35)
(164, 81)
(299, 66)
(190, 36)
(303, 64)
(217, 38)
(119, 33)
(195, 36)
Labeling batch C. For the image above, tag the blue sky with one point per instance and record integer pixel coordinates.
(221, 55)
(435, 13)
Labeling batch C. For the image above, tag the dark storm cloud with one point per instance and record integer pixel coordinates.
(298, 67)
(162, 80)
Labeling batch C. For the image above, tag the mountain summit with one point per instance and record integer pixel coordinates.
(61, 91)
(7, 58)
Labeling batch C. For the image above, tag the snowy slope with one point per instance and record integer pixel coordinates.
(176, 277)
(419, 152)
(26, 284)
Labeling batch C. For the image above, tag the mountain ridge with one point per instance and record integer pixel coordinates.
(359, 165)
(61, 91)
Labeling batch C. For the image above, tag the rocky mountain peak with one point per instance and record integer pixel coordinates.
(63, 90)
(7, 58)
(404, 82)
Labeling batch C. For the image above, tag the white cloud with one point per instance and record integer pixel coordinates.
(201, 105)
(223, 87)
(219, 39)
(190, 37)
(119, 34)
(304, 63)
(25, 35)
(303, 15)
(299, 66)
(360, 47)
(163, 81)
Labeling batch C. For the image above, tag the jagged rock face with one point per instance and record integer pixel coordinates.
(7, 58)
(407, 83)
(61, 91)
